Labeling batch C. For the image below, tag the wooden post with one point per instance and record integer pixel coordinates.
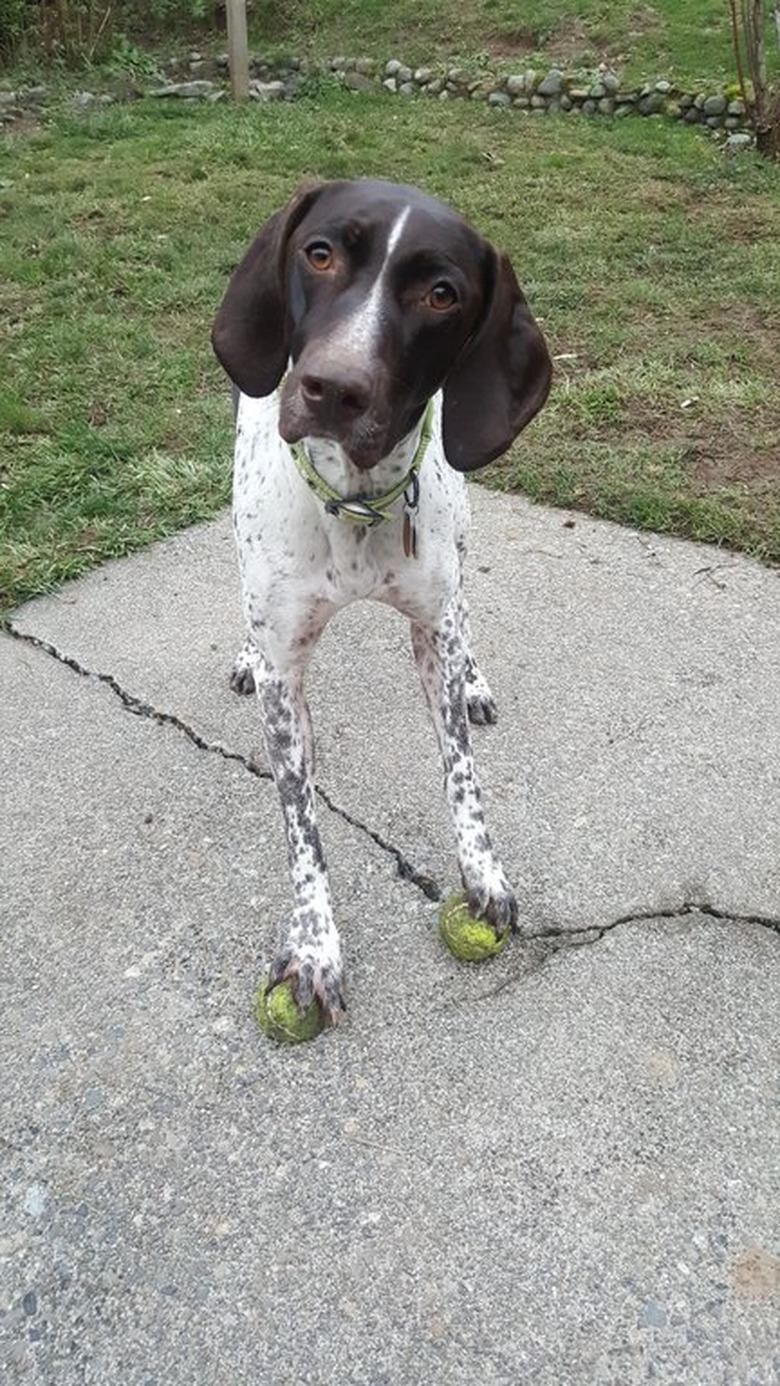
(238, 49)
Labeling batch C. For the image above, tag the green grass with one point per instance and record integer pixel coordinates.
(686, 39)
(650, 258)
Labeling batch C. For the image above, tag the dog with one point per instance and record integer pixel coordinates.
(379, 348)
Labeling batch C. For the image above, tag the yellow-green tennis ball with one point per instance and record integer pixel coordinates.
(279, 1016)
(468, 939)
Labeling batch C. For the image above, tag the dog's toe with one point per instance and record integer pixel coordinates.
(482, 710)
(311, 981)
(242, 679)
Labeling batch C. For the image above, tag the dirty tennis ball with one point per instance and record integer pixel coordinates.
(279, 1016)
(468, 939)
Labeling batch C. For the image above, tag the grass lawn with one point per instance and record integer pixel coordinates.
(685, 39)
(650, 258)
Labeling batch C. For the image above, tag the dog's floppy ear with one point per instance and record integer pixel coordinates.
(501, 378)
(249, 334)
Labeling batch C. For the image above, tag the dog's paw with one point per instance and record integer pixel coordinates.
(493, 901)
(309, 981)
(242, 676)
(482, 710)
(480, 702)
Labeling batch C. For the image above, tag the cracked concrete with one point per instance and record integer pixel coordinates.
(559, 1167)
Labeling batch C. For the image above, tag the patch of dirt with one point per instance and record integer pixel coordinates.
(511, 45)
(26, 124)
(567, 45)
(723, 459)
(713, 454)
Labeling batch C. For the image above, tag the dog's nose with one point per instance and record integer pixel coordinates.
(337, 392)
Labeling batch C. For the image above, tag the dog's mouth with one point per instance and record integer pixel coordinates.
(364, 435)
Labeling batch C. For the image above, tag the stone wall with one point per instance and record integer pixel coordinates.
(529, 92)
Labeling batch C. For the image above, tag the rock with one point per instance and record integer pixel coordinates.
(589, 107)
(606, 106)
(423, 76)
(366, 67)
(82, 100)
(404, 74)
(715, 106)
(538, 103)
(390, 84)
(597, 91)
(552, 84)
(736, 108)
(652, 104)
(664, 87)
(392, 67)
(435, 87)
(611, 81)
(266, 91)
(737, 144)
(407, 89)
(357, 81)
(515, 84)
(499, 98)
(187, 90)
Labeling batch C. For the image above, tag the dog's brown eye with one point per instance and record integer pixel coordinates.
(441, 297)
(319, 255)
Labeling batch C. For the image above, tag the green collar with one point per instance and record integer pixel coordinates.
(364, 510)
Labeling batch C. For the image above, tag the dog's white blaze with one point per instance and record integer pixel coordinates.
(360, 331)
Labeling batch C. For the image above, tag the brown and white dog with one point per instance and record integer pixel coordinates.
(380, 348)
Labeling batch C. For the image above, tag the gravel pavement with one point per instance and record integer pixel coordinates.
(559, 1168)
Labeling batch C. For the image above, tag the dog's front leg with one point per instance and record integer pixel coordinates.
(310, 953)
(441, 660)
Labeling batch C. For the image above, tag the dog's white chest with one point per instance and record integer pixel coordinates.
(284, 529)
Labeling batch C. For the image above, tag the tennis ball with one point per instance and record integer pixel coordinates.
(468, 939)
(280, 1017)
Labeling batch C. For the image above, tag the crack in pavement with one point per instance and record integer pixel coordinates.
(543, 944)
(405, 869)
(548, 941)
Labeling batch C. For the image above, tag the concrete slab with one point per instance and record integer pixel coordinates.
(558, 1167)
(637, 761)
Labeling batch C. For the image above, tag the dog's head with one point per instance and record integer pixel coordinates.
(380, 296)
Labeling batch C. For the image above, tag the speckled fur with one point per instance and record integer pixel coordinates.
(299, 565)
(356, 305)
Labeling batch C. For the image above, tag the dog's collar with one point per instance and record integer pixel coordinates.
(366, 510)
